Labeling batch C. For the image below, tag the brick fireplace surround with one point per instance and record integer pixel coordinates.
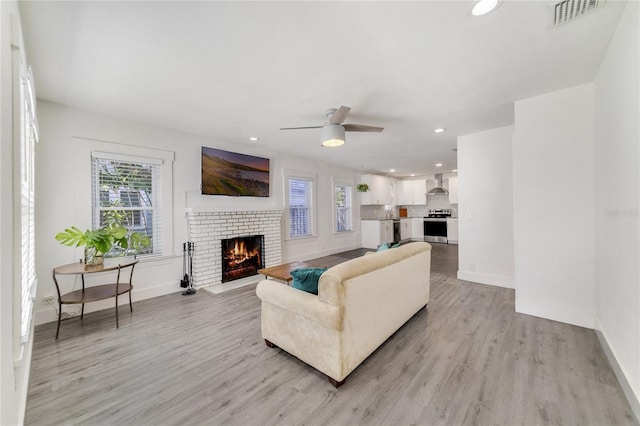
(208, 228)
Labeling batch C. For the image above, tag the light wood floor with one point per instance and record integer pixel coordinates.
(200, 360)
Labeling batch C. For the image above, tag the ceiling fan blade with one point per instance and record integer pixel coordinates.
(361, 128)
(297, 128)
(340, 115)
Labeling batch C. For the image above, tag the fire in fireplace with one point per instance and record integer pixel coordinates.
(241, 257)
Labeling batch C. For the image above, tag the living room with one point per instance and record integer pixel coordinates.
(574, 194)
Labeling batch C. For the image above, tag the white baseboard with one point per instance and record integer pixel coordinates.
(555, 313)
(322, 253)
(634, 400)
(48, 313)
(477, 277)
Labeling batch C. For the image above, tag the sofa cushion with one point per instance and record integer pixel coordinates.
(306, 279)
(383, 247)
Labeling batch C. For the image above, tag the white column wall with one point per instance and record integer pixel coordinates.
(554, 199)
(485, 207)
(617, 138)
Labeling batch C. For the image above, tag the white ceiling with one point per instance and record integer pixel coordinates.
(231, 70)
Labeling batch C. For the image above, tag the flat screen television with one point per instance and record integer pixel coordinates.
(234, 174)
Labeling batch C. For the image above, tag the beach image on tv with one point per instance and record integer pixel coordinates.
(231, 173)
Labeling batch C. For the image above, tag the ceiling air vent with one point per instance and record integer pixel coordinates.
(564, 11)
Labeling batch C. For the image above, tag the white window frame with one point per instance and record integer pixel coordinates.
(25, 269)
(338, 181)
(313, 180)
(83, 211)
(156, 208)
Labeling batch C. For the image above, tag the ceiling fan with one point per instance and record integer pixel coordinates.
(333, 130)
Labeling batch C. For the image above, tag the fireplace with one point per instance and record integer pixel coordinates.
(242, 257)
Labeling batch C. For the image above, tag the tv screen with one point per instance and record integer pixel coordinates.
(231, 173)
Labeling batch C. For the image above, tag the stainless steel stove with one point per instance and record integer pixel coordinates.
(435, 225)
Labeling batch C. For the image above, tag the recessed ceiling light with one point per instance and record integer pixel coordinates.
(254, 139)
(454, 170)
(483, 7)
(439, 130)
(413, 174)
(439, 165)
(392, 170)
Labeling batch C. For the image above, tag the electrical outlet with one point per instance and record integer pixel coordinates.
(48, 299)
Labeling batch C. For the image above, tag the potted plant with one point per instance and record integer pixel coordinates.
(98, 242)
(362, 187)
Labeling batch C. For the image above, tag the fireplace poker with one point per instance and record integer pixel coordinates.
(184, 282)
(190, 290)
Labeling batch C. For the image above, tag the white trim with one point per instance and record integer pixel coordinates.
(334, 208)
(84, 148)
(496, 280)
(322, 253)
(566, 314)
(632, 398)
(309, 177)
(139, 294)
(127, 158)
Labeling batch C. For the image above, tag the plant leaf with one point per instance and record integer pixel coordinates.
(71, 236)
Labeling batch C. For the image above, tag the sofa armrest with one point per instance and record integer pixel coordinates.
(300, 302)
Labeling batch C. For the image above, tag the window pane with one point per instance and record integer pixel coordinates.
(125, 197)
(300, 208)
(343, 207)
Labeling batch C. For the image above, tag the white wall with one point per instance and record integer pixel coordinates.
(485, 207)
(554, 199)
(617, 138)
(15, 357)
(58, 205)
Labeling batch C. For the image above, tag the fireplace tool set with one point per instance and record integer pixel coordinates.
(187, 264)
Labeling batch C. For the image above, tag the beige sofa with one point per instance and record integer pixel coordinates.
(360, 304)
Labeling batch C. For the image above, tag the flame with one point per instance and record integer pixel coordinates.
(239, 253)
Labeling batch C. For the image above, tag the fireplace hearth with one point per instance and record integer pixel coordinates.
(241, 257)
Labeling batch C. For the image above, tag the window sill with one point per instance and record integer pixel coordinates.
(344, 233)
(303, 237)
(153, 258)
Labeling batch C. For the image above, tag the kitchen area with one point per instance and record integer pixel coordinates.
(413, 209)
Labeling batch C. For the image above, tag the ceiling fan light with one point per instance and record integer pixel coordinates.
(482, 7)
(332, 135)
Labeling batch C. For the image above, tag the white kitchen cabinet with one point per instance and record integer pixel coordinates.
(411, 192)
(452, 231)
(420, 191)
(417, 229)
(381, 190)
(386, 231)
(453, 190)
(404, 193)
(405, 229)
(376, 232)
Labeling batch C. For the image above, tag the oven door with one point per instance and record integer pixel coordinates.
(435, 230)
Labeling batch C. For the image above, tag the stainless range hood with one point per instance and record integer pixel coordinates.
(438, 189)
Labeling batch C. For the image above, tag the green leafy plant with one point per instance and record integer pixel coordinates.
(104, 239)
(362, 187)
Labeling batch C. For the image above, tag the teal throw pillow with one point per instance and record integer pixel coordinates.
(396, 245)
(383, 247)
(306, 279)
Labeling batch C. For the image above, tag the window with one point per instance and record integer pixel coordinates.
(125, 192)
(343, 211)
(300, 196)
(28, 138)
